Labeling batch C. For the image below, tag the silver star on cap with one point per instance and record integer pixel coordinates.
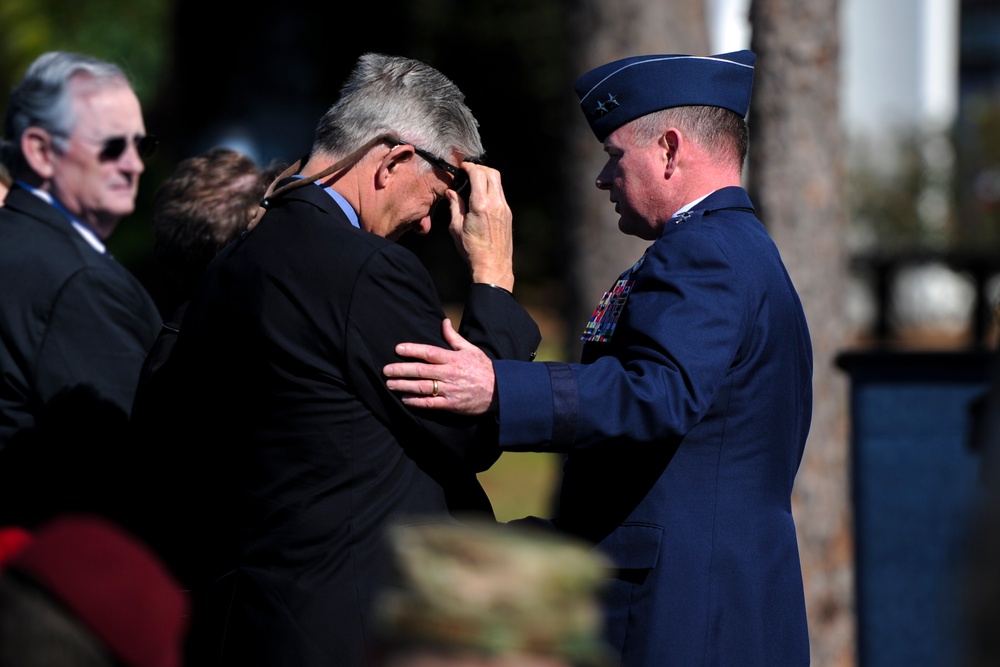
(606, 106)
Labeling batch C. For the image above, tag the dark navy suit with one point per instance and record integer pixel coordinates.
(684, 430)
(286, 448)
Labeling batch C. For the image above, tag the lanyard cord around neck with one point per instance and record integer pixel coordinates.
(293, 169)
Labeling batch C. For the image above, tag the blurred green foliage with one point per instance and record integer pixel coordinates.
(886, 181)
(134, 34)
(925, 191)
(978, 182)
(523, 484)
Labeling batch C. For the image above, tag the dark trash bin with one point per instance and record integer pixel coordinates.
(914, 480)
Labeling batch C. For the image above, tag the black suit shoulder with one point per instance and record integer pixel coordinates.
(76, 317)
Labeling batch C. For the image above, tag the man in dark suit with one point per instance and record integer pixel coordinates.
(73, 321)
(685, 422)
(275, 427)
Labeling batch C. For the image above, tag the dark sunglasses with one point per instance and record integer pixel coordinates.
(460, 179)
(113, 147)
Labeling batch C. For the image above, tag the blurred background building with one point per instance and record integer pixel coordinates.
(920, 88)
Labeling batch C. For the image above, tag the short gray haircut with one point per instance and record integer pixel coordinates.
(405, 98)
(719, 130)
(43, 98)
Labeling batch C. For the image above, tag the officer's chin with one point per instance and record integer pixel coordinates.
(638, 228)
(627, 227)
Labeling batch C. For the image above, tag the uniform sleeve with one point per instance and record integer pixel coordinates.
(679, 333)
(395, 301)
(98, 334)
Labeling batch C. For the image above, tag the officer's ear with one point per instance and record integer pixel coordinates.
(670, 143)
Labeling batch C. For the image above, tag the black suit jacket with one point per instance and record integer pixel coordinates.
(69, 315)
(75, 326)
(286, 443)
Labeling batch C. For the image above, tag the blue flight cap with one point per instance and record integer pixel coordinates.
(614, 94)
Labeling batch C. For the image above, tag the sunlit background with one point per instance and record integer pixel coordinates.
(918, 107)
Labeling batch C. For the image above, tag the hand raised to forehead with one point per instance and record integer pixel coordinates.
(483, 229)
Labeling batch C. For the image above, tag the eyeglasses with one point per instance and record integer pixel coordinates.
(113, 147)
(460, 179)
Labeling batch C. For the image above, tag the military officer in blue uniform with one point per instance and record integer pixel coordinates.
(685, 421)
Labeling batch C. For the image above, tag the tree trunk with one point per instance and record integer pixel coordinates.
(600, 32)
(796, 174)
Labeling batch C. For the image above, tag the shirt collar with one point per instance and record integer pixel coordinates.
(88, 235)
(688, 206)
(341, 202)
(344, 205)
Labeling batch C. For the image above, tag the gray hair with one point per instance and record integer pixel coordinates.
(44, 99)
(408, 99)
(719, 130)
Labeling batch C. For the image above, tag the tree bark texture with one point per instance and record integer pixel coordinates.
(600, 32)
(796, 177)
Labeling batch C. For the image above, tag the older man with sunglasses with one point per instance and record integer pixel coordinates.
(287, 455)
(72, 319)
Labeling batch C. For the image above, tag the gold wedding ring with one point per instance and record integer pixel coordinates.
(435, 392)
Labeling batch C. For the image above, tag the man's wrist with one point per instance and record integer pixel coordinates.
(495, 286)
(501, 275)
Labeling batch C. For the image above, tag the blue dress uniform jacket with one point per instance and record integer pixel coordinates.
(291, 454)
(683, 433)
(70, 316)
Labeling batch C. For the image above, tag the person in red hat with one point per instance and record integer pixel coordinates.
(81, 592)
(12, 540)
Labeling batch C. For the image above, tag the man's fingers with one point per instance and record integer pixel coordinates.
(406, 369)
(478, 176)
(429, 388)
(456, 206)
(452, 337)
(439, 402)
(430, 353)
